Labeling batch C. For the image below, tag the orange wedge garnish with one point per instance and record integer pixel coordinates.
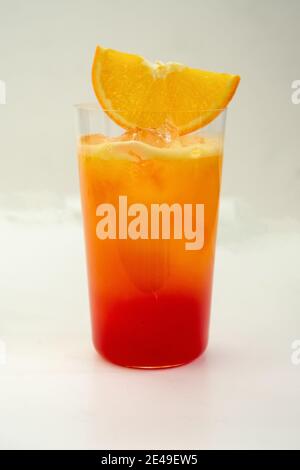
(138, 94)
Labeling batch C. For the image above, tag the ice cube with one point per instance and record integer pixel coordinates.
(163, 136)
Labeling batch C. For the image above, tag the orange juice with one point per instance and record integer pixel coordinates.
(150, 296)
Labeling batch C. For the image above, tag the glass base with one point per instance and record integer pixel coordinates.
(152, 367)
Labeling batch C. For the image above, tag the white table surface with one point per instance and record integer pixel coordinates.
(56, 392)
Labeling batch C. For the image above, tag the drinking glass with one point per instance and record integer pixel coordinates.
(150, 207)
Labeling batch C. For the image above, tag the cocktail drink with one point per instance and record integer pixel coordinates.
(150, 196)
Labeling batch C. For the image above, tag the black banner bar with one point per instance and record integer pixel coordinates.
(138, 458)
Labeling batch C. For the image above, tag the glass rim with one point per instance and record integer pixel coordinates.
(94, 106)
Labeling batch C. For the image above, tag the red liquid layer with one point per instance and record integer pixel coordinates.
(151, 332)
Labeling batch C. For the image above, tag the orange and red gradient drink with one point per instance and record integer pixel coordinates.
(148, 187)
(150, 298)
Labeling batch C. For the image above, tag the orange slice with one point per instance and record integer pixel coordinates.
(137, 93)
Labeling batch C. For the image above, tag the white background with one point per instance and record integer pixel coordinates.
(55, 392)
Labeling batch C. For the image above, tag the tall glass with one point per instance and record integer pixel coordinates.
(150, 206)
